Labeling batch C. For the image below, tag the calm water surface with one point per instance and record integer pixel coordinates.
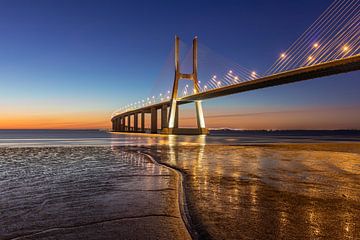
(248, 185)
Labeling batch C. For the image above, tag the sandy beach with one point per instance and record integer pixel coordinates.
(87, 193)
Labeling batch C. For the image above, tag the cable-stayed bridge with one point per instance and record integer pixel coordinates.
(331, 45)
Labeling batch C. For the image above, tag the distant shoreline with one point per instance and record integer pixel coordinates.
(210, 129)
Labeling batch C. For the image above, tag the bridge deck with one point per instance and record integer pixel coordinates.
(301, 74)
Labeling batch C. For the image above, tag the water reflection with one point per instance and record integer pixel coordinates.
(269, 191)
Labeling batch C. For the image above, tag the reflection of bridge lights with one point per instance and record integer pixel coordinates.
(315, 45)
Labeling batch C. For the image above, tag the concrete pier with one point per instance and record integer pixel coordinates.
(153, 120)
(143, 121)
(136, 125)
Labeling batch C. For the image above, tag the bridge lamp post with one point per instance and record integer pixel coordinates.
(253, 74)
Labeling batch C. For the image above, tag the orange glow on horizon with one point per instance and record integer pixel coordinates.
(88, 120)
(251, 119)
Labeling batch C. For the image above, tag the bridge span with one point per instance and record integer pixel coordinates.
(122, 122)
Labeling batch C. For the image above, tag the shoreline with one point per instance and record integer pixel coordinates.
(194, 226)
(182, 201)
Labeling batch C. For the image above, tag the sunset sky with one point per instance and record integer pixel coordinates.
(70, 64)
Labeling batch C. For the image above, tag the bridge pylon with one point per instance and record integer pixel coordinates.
(173, 126)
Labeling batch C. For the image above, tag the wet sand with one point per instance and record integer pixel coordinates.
(86, 193)
(271, 191)
(253, 189)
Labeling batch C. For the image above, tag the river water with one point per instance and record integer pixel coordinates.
(237, 185)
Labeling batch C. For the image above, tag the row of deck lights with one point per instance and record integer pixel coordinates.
(146, 102)
(311, 58)
(218, 83)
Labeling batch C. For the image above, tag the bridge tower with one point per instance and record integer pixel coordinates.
(173, 120)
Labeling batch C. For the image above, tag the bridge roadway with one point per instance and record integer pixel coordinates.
(300, 74)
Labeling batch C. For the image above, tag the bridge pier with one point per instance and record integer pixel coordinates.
(136, 125)
(114, 127)
(119, 124)
(129, 123)
(164, 117)
(142, 121)
(176, 120)
(153, 120)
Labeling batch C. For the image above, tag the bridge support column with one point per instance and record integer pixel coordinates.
(128, 123)
(118, 124)
(142, 121)
(153, 120)
(164, 116)
(113, 124)
(117, 127)
(176, 120)
(124, 123)
(121, 124)
(199, 115)
(136, 122)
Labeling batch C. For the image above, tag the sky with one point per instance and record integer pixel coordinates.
(70, 64)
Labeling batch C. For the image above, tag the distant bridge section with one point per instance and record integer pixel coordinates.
(331, 45)
(122, 121)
